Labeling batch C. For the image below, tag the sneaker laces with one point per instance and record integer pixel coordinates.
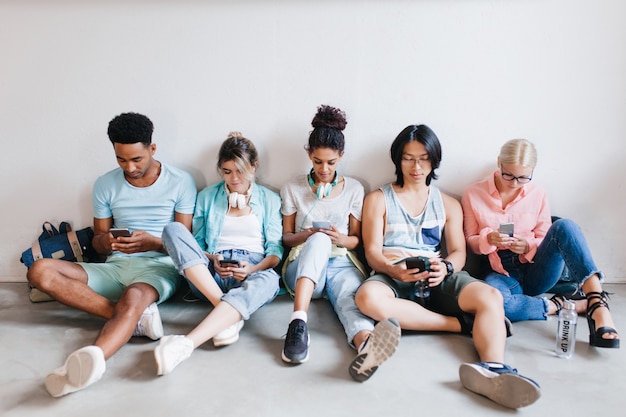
(295, 333)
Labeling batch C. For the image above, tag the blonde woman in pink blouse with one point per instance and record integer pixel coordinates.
(529, 261)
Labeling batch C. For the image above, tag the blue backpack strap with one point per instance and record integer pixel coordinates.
(65, 227)
(75, 245)
(48, 231)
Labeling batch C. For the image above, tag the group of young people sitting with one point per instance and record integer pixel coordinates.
(228, 239)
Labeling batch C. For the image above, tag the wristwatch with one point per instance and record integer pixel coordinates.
(449, 267)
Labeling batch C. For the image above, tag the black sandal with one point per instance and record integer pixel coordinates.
(558, 301)
(595, 336)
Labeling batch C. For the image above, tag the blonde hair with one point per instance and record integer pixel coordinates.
(519, 152)
(241, 151)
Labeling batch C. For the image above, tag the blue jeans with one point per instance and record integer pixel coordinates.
(564, 245)
(337, 278)
(245, 296)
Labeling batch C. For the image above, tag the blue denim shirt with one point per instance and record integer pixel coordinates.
(212, 206)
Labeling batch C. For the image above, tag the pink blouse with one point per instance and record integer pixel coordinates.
(483, 214)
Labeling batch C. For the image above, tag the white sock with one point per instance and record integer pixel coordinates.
(302, 315)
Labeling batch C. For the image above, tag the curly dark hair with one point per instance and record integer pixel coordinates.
(424, 135)
(130, 128)
(328, 124)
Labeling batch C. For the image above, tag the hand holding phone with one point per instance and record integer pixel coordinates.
(116, 232)
(420, 262)
(321, 225)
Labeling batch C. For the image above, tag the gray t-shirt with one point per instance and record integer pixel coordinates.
(298, 198)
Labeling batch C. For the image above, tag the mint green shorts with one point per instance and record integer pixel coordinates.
(111, 278)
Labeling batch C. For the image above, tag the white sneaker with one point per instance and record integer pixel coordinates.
(149, 323)
(379, 346)
(229, 335)
(81, 369)
(172, 350)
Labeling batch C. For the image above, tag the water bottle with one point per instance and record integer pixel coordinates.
(421, 292)
(566, 331)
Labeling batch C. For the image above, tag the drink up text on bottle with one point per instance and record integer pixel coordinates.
(566, 330)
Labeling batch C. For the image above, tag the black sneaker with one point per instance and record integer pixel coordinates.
(296, 348)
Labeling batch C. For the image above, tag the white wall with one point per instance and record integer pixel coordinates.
(479, 72)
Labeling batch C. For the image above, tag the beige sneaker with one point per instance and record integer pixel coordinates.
(378, 347)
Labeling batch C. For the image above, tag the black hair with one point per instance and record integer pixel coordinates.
(328, 124)
(424, 135)
(130, 128)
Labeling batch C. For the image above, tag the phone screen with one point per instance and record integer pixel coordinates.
(416, 262)
(120, 232)
(507, 229)
(229, 262)
(321, 225)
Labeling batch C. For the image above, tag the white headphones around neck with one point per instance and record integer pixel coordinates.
(324, 189)
(236, 200)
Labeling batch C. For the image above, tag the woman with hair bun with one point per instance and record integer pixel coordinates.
(230, 257)
(322, 226)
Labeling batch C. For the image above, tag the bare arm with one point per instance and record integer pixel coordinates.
(373, 230)
(102, 239)
(184, 219)
(292, 238)
(352, 240)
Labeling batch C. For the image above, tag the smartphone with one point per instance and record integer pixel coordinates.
(321, 225)
(507, 229)
(229, 262)
(120, 232)
(421, 262)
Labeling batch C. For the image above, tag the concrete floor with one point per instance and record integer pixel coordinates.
(250, 379)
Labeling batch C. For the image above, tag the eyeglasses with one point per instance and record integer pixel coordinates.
(510, 177)
(413, 161)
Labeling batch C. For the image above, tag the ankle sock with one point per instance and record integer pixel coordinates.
(302, 315)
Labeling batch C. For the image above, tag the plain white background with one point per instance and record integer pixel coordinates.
(479, 72)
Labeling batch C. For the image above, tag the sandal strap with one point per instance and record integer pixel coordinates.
(558, 301)
(601, 331)
(602, 301)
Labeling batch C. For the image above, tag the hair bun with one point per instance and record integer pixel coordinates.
(235, 135)
(328, 116)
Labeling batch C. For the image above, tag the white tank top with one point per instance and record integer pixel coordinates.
(243, 232)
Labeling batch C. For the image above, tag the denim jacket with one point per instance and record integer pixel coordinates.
(212, 206)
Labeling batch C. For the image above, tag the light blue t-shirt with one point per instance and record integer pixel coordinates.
(144, 208)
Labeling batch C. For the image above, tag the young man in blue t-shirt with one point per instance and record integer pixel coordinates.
(142, 195)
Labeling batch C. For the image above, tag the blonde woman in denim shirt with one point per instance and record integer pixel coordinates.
(235, 220)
